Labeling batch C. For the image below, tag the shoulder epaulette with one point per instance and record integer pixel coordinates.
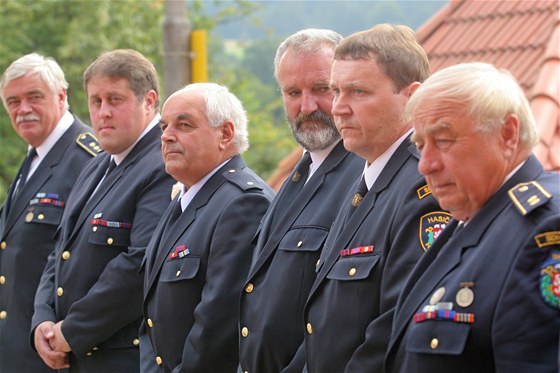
(242, 179)
(528, 196)
(423, 191)
(89, 143)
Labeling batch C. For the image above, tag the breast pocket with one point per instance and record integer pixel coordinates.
(303, 239)
(353, 268)
(180, 269)
(109, 236)
(44, 214)
(438, 338)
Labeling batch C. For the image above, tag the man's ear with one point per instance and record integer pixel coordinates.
(227, 130)
(150, 100)
(510, 134)
(409, 90)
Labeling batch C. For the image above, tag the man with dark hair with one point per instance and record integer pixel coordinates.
(88, 304)
(382, 230)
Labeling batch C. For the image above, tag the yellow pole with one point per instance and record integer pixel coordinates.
(199, 63)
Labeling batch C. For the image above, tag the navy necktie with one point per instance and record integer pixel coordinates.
(108, 170)
(24, 170)
(359, 195)
(111, 167)
(175, 213)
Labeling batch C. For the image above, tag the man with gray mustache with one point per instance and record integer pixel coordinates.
(296, 224)
(33, 90)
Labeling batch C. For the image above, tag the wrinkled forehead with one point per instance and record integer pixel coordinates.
(430, 111)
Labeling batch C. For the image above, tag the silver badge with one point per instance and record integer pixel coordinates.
(465, 295)
(437, 296)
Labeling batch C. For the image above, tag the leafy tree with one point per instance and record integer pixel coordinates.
(76, 32)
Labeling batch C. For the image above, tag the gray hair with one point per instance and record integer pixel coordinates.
(308, 41)
(222, 105)
(490, 95)
(46, 67)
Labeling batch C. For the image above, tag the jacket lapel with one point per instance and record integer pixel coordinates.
(188, 216)
(144, 145)
(41, 175)
(277, 232)
(347, 232)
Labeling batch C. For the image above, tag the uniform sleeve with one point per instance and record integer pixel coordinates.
(44, 302)
(297, 364)
(526, 324)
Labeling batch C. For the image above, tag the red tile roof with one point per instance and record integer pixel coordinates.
(522, 36)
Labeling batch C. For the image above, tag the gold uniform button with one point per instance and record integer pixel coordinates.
(3, 245)
(159, 360)
(89, 353)
(178, 273)
(110, 241)
(299, 243)
(249, 288)
(40, 216)
(352, 271)
(309, 328)
(150, 323)
(318, 262)
(244, 331)
(66, 255)
(434, 343)
(94, 229)
(29, 217)
(95, 348)
(59, 291)
(135, 341)
(2, 280)
(3, 315)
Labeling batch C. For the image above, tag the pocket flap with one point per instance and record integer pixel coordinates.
(439, 337)
(303, 239)
(109, 236)
(353, 268)
(180, 269)
(44, 214)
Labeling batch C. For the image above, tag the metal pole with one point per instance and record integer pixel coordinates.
(176, 57)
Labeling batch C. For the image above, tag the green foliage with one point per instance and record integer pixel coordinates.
(225, 12)
(75, 32)
(269, 135)
(253, 59)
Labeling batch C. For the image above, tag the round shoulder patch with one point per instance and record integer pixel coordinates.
(550, 280)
